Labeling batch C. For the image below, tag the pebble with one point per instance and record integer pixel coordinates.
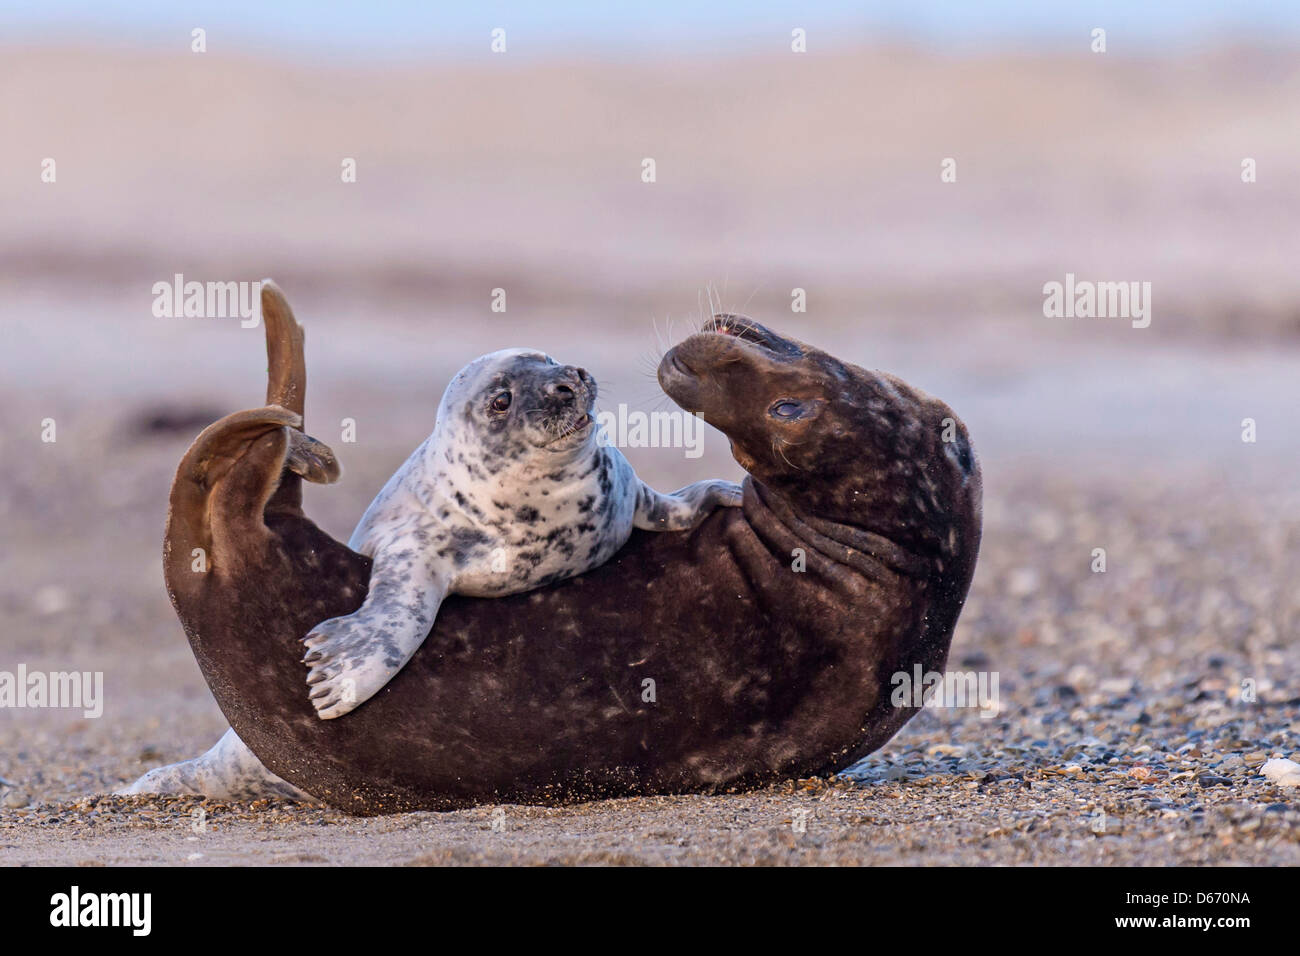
(1282, 772)
(946, 750)
(1022, 582)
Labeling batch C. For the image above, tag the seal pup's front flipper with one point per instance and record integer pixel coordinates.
(686, 507)
(351, 658)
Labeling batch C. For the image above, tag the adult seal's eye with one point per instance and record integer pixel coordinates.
(501, 403)
(785, 409)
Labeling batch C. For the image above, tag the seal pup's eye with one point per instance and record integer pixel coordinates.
(785, 408)
(501, 402)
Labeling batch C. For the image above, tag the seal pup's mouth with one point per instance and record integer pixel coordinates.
(581, 423)
(571, 427)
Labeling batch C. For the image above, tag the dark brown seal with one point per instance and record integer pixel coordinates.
(757, 647)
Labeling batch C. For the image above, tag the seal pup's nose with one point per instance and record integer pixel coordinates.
(563, 391)
(572, 381)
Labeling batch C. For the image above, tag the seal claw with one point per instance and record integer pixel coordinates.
(340, 651)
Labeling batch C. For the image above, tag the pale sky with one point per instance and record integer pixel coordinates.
(416, 30)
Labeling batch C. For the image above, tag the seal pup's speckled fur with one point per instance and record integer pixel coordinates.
(515, 489)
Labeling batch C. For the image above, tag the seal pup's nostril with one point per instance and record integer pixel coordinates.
(560, 390)
(573, 381)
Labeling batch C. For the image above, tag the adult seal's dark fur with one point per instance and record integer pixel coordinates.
(757, 647)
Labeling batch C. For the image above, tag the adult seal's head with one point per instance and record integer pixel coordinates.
(834, 441)
(758, 646)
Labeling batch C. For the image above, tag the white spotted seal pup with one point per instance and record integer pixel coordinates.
(513, 490)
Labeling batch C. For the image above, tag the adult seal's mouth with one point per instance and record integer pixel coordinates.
(757, 647)
(687, 371)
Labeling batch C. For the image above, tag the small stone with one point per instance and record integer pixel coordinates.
(946, 750)
(14, 800)
(1282, 772)
(1022, 582)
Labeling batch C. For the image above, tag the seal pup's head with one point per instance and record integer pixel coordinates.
(515, 403)
(836, 441)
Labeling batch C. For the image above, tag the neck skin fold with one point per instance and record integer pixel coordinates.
(863, 551)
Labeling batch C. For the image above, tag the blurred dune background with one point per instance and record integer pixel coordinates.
(774, 171)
